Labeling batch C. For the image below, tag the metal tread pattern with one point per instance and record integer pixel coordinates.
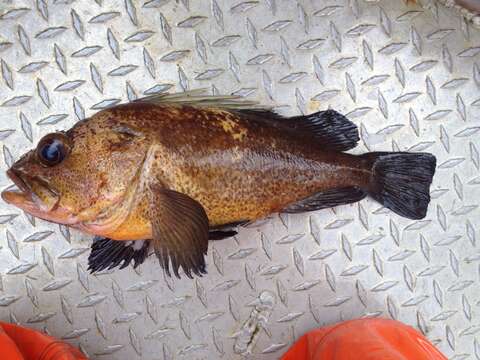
(408, 76)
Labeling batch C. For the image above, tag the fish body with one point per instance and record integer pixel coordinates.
(237, 168)
(178, 170)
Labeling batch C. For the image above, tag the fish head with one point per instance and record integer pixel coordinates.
(76, 176)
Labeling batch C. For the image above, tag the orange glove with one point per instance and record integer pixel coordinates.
(364, 339)
(19, 343)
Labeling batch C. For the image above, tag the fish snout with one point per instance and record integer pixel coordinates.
(31, 192)
(17, 179)
(20, 196)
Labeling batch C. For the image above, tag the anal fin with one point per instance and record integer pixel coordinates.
(327, 199)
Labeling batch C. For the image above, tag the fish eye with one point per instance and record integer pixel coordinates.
(53, 149)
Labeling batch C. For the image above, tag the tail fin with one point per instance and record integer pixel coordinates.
(401, 181)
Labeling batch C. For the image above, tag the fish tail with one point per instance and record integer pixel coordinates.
(401, 181)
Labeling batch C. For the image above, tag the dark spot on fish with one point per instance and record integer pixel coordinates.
(103, 181)
(120, 145)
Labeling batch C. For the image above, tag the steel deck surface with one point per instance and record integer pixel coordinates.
(408, 76)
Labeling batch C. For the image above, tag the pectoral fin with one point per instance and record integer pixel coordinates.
(179, 229)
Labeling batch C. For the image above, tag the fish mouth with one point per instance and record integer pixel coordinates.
(23, 193)
(17, 180)
(35, 197)
(25, 197)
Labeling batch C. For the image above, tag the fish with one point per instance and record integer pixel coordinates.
(170, 172)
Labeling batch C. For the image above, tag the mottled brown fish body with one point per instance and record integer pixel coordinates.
(180, 169)
(238, 169)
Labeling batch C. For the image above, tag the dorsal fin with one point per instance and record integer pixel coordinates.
(199, 98)
(331, 129)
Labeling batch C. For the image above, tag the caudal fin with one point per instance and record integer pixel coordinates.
(401, 181)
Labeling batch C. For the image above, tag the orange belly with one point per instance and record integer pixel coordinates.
(131, 230)
(136, 226)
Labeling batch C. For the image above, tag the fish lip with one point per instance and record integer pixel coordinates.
(17, 179)
(17, 196)
(21, 195)
(26, 194)
(27, 200)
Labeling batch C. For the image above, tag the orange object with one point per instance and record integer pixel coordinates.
(19, 343)
(364, 339)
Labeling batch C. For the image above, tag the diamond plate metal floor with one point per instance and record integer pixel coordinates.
(409, 77)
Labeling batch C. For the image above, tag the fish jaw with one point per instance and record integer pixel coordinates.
(19, 199)
(26, 199)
